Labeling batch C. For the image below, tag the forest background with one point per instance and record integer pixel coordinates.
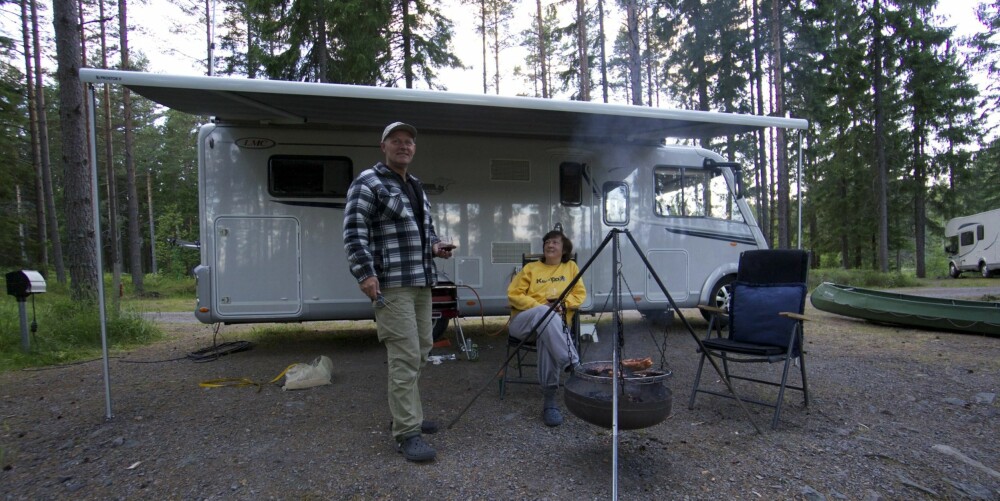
(901, 107)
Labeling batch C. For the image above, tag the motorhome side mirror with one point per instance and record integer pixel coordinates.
(23, 283)
(716, 168)
(571, 184)
(950, 249)
(616, 208)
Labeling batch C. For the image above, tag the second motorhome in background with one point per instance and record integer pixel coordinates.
(973, 244)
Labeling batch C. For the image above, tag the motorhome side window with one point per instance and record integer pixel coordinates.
(968, 238)
(309, 176)
(571, 184)
(692, 192)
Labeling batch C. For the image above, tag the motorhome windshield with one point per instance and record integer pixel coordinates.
(693, 192)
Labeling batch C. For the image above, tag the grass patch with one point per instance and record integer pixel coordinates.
(161, 293)
(159, 286)
(67, 331)
(871, 279)
(861, 278)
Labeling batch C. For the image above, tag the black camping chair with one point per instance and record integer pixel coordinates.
(527, 351)
(765, 323)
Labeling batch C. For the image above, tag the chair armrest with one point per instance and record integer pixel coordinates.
(794, 316)
(715, 310)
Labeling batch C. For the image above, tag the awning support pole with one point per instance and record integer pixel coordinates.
(91, 124)
(798, 189)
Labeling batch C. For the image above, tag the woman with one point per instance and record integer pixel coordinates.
(531, 295)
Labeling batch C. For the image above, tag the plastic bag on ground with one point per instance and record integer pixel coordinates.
(300, 376)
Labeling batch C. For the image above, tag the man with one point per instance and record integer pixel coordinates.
(391, 244)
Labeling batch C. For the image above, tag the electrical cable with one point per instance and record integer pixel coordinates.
(212, 353)
(60, 366)
(207, 354)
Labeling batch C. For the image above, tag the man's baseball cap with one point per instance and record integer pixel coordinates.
(393, 127)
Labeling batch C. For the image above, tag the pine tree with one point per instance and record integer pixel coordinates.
(79, 202)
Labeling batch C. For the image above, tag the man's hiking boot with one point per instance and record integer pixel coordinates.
(415, 449)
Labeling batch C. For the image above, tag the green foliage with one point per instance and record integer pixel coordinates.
(364, 42)
(68, 331)
(860, 278)
(177, 222)
(164, 286)
(17, 191)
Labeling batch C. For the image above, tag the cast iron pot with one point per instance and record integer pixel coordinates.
(644, 403)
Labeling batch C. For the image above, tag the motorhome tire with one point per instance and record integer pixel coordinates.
(440, 325)
(984, 270)
(721, 292)
(953, 271)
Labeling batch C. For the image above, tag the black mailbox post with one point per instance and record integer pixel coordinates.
(21, 284)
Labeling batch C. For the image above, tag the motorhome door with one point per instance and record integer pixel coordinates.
(257, 268)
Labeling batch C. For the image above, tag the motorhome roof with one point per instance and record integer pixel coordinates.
(354, 106)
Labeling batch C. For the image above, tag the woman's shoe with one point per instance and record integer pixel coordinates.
(551, 416)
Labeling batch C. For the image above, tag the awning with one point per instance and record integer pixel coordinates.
(363, 107)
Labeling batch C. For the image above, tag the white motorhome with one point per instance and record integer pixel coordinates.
(277, 157)
(974, 243)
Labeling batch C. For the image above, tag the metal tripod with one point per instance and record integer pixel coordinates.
(613, 238)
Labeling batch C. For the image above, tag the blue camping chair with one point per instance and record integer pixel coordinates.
(765, 324)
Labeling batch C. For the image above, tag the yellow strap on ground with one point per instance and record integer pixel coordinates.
(241, 381)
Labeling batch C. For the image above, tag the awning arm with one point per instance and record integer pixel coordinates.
(95, 203)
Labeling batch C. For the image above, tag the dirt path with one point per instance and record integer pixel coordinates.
(894, 414)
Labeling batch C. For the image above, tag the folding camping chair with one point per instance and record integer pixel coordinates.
(765, 323)
(527, 351)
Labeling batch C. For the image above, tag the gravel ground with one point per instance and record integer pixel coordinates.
(894, 414)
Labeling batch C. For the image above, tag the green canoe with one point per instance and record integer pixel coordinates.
(979, 317)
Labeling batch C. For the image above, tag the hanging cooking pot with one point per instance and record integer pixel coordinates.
(643, 400)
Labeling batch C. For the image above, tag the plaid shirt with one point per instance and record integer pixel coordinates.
(381, 236)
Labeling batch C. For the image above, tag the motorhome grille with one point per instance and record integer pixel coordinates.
(509, 252)
(509, 170)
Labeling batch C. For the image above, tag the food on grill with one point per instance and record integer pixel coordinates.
(602, 370)
(632, 367)
(637, 364)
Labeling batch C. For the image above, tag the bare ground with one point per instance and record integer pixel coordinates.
(895, 413)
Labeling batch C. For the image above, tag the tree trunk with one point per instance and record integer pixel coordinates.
(784, 216)
(43, 247)
(650, 61)
(134, 234)
(882, 183)
(542, 55)
(78, 196)
(152, 233)
(210, 44)
(407, 45)
(482, 25)
(322, 41)
(43, 142)
(919, 198)
(700, 64)
(581, 48)
(634, 63)
(604, 55)
(22, 235)
(109, 159)
(496, 59)
(758, 77)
